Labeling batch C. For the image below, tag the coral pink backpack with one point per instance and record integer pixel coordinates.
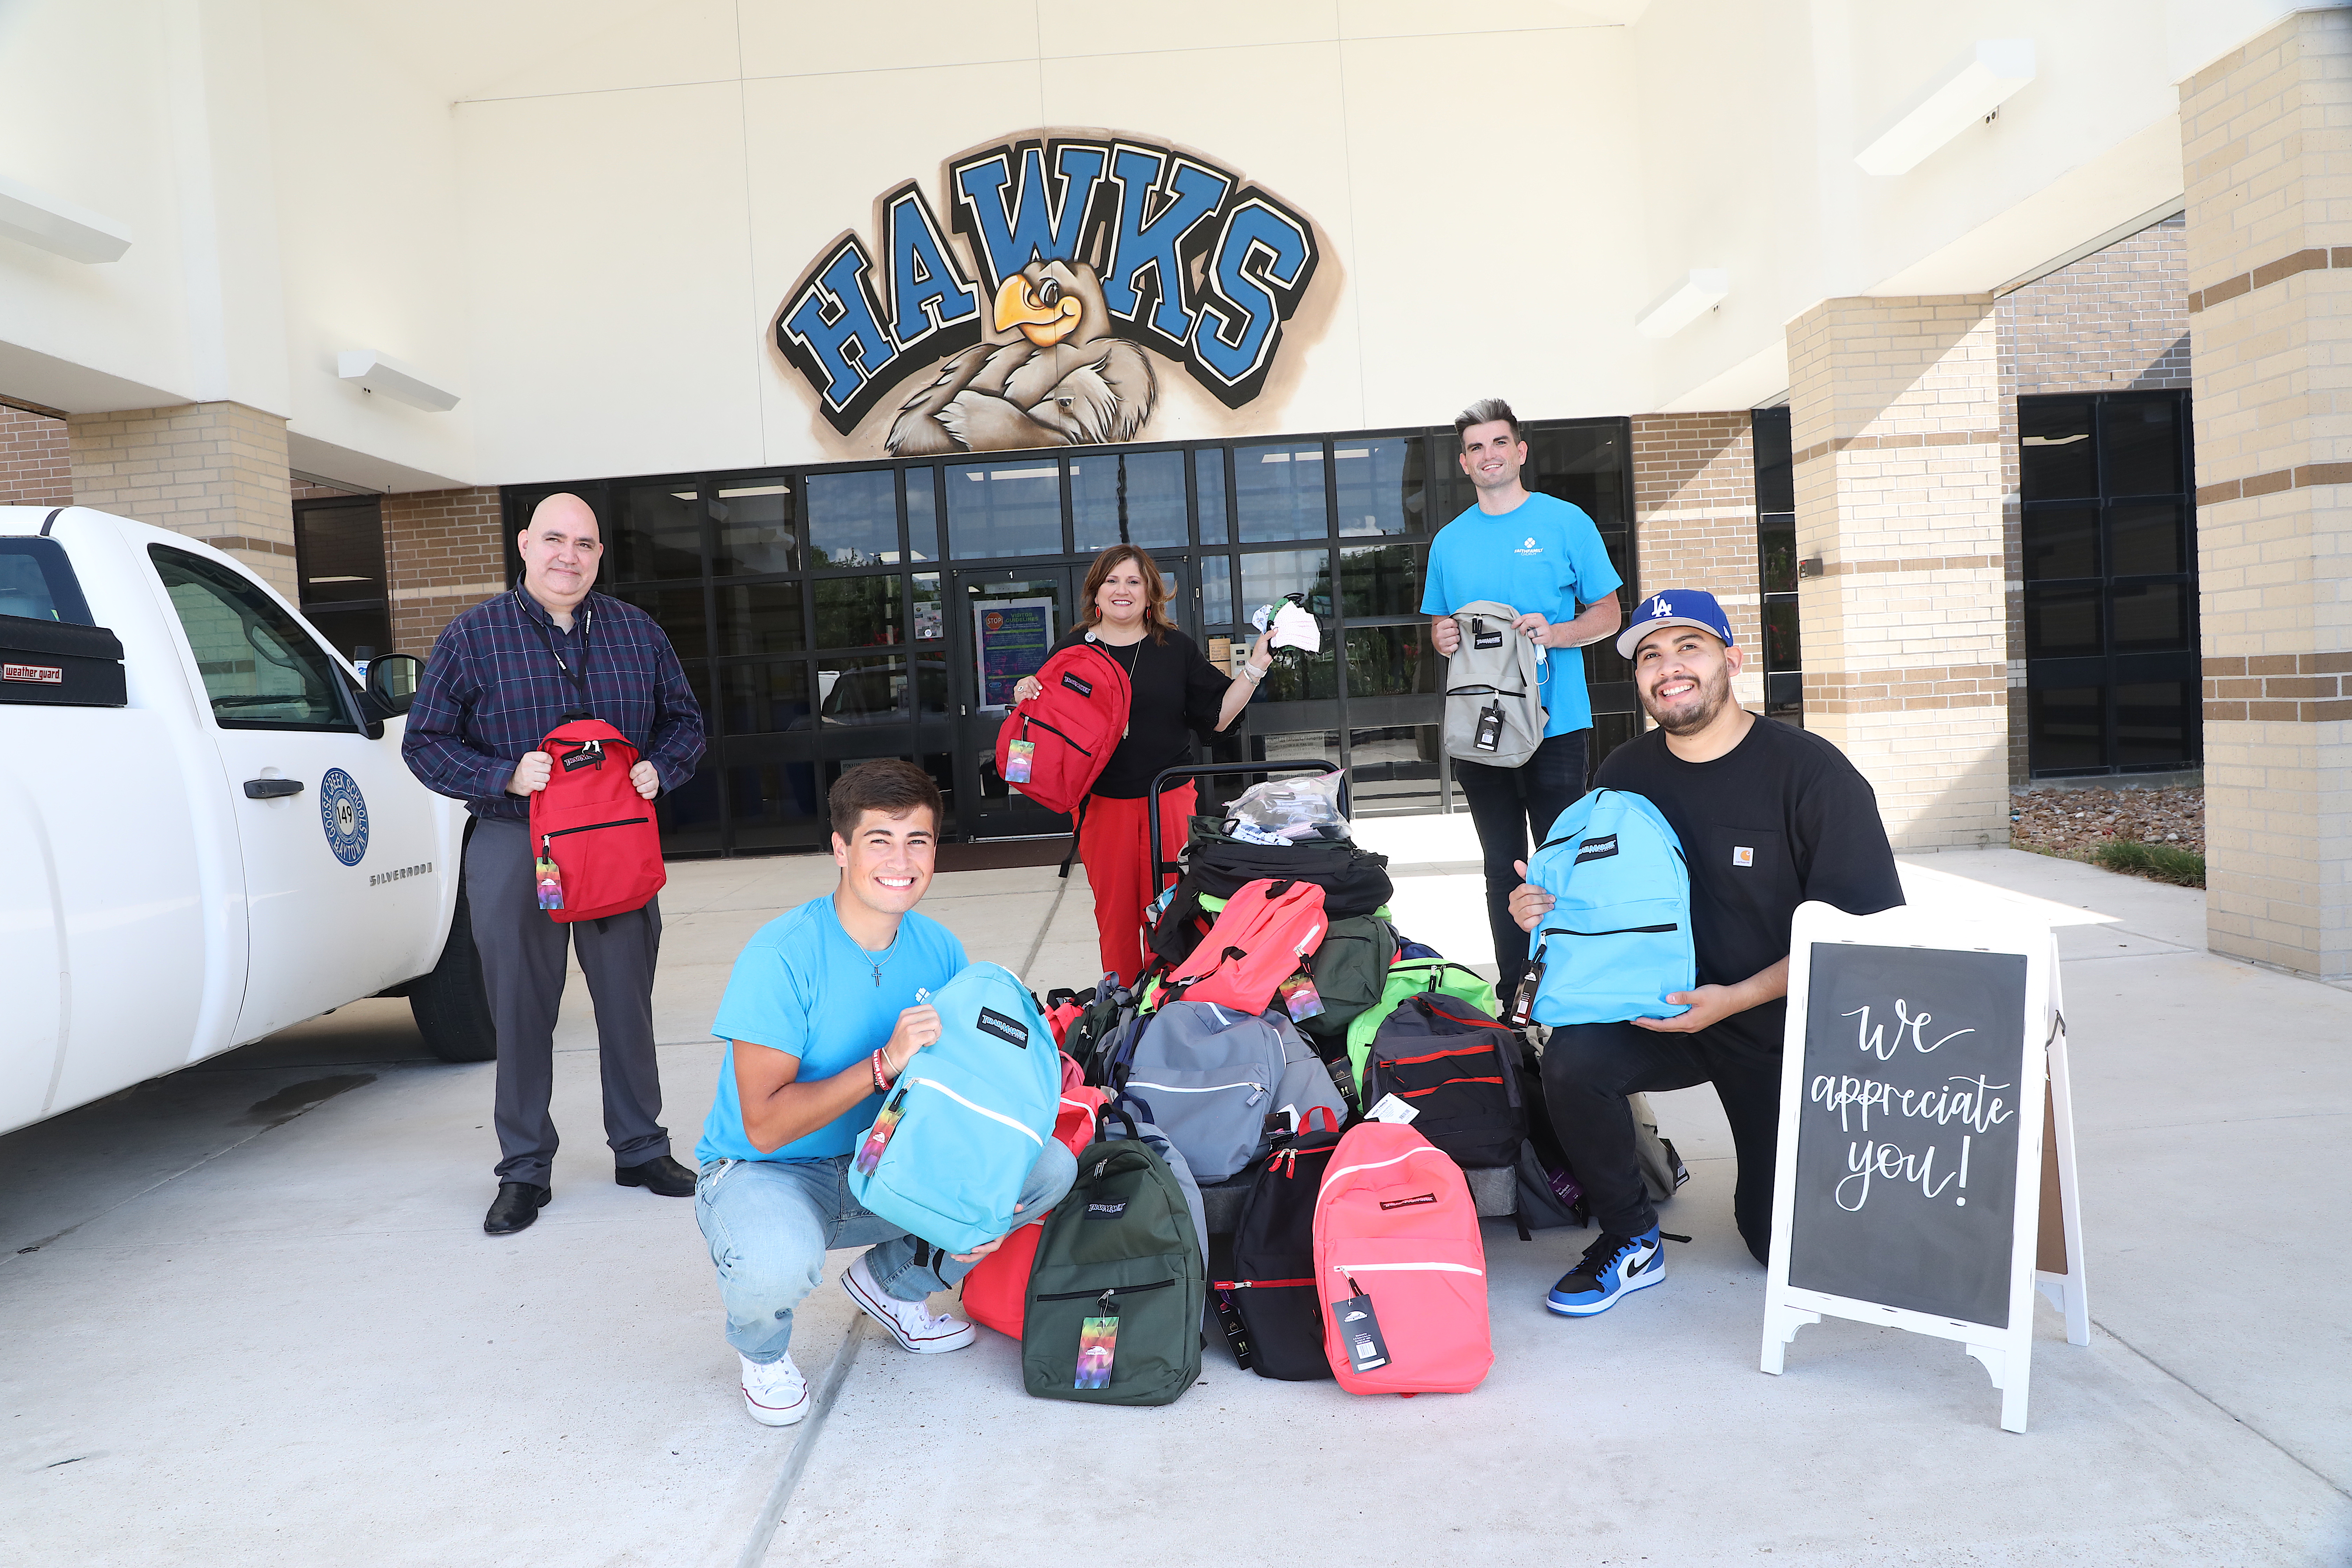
(1261, 937)
(1399, 1267)
(997, 1289)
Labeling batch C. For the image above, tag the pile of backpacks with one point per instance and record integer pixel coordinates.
(1273, 1128)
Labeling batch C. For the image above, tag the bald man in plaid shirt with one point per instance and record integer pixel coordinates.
(502, 675)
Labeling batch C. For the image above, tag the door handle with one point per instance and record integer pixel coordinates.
(271, 789)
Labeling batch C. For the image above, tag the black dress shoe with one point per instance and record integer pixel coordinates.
(661, 1174)
(517, 1205)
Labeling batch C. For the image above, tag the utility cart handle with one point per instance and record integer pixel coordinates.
(1162, 867)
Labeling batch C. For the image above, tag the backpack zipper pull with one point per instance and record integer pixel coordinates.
(1257, 1092)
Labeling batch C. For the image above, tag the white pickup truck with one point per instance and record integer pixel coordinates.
(206, 831)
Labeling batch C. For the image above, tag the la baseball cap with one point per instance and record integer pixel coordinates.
(1675, 607)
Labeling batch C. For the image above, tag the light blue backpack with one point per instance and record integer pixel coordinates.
(1617, 940)
(947, 1155)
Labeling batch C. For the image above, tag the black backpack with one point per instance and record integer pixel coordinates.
(1273, 1290)
(1460, 1069)
(1110, 1014)
(1354, 881)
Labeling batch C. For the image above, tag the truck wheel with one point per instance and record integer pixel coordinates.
(451, 1008)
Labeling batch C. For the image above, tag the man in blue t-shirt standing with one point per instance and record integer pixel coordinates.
(825, 1008)
(1544, 558)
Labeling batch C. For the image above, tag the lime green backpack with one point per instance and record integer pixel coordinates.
(1409, 977)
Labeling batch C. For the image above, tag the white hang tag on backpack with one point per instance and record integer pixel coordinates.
(1392, 1109)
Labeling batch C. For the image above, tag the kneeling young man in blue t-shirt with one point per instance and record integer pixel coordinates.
(824, 1010)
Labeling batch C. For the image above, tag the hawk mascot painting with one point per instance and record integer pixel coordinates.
(1050, 375)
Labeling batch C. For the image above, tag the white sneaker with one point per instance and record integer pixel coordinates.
(910, 1322)
(775, 1394)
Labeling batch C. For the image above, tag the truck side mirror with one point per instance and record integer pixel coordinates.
(392, 683)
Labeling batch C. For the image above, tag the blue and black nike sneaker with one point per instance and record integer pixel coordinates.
(1611, 1267)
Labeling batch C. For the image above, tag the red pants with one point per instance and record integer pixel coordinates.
(1118, 856)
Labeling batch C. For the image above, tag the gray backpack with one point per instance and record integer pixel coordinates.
(1494, 688)
(1214, 1075)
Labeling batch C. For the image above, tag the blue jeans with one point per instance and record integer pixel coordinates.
(770, 1221)
(1503, 803)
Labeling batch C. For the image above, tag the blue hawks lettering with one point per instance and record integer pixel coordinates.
(1072, 248)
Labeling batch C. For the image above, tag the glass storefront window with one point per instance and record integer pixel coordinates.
(1216, 591)
(857, 612)
(1391, 661)
(1776, 545)
(1380, 579)
(2062, 623)
(2142, 438)
(1782, 650)
(1278, 492)
(2145, 540)
(759, 617)
(923, 514)
(2060, 541)
(1379, 485)
(1209, 484)
(2067, 728)
(1395, 770)
(679, 611)
(776, 805)
(1129, 499)
(1269, 574)
(764, 699)
(1005, 509)
(755, 532)
(853, 519)
(1298, 676)
(930, 609)
(658, 535)
(2149, 617)
(866, 689)
(2155, 721)
(2055, 459)
(688, 816)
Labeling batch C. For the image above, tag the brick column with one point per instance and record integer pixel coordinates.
(1695, 520)
(443, 550)
(215, 471)
(1894, 413)
(35, 467)
(2267, 145)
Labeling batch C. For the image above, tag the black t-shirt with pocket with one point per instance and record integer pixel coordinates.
(1780, 818)
(1176, 692)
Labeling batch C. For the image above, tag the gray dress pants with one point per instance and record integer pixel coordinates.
(523, 970)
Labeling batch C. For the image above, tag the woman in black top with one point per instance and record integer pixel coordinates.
(1175, 691)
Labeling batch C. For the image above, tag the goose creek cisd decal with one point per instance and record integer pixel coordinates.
(342, 811)
(1079, 253)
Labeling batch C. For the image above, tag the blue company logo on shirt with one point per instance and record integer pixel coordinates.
(1529, 548)
(342, 812)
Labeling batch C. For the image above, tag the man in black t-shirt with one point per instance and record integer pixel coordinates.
(1770, 816)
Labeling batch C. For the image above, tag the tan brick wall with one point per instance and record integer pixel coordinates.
(36, 464)
(1694, 520)
(2266, 138)
(215, 471)
(1896, 414)
(442, 551)
(2116, 321)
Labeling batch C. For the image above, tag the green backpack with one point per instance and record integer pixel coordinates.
(1350, 969)
(1409, 978)
(1120, 1247)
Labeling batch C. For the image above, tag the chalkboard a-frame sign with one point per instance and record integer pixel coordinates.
(1912, 1106)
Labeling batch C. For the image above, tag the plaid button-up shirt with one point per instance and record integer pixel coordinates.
(493, 689)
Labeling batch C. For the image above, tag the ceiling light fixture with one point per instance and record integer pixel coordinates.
(1700, 291)
(1994, 70)
(372, 372)
(60, 227)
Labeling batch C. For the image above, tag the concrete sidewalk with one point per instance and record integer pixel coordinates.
(248, 1315)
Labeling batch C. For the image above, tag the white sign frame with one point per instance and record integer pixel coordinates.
(2006, 1352)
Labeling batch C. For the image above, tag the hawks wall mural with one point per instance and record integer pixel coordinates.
(1074, 275)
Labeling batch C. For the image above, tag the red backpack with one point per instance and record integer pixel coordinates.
(997, 1289)
(1260, 939)
(594, 827)
(1070, 729)
(1399, 1267)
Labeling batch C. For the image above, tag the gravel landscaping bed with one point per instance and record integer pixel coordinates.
(2073, 822)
